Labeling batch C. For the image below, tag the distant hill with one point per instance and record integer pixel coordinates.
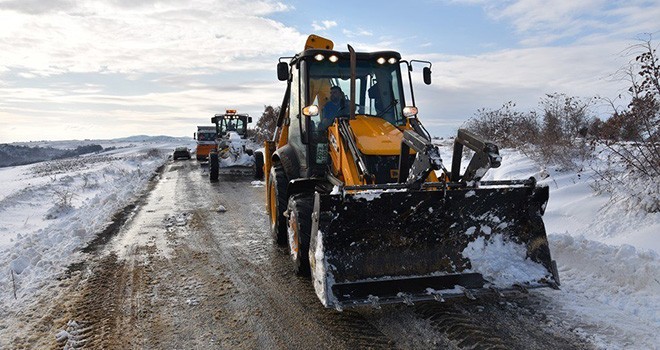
(11, 155)
(147, 138)
(21, 153)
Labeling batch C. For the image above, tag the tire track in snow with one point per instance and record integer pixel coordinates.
(514, 322)
(290, 313)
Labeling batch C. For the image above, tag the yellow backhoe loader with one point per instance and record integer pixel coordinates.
(359, 194)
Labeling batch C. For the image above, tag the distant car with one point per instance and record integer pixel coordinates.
(181, 152)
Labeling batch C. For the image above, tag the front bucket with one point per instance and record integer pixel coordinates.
(383, 246)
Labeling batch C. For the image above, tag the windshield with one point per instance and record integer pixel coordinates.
(378, 90)
(206, 136)
(232, 124)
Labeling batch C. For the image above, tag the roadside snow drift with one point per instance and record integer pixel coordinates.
(49, 211)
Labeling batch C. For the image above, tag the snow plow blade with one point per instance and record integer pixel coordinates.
(237, 171)
(398, 245)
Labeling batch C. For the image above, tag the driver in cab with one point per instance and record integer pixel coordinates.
(335, 107)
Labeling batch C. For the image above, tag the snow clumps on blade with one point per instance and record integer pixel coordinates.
(502, 263)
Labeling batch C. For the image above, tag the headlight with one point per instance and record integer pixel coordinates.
(409, 111)
(319, 57)
(311, 111)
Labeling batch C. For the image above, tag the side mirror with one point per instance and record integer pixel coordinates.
(194, 136)
(426, 72)
(249, 120)
(283, 71)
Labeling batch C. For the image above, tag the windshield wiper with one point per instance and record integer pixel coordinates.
(387, 109)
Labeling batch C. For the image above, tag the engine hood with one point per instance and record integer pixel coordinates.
(376, 136)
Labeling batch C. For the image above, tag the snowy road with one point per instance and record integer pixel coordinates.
(182, 274)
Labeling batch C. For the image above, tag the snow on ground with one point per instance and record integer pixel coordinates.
(607, 256)
(50, 210)
(575, 209)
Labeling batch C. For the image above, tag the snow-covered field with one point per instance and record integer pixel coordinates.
(50, 210)
(607, 256)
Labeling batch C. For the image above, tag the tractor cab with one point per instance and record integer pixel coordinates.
(234, 153)
(231, 121)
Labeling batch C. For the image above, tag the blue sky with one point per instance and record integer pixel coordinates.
(103, 69)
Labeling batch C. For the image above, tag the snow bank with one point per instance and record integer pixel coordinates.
(620, 277)
(606, 252)
(576, 209)
(49, 211)
(611, 292)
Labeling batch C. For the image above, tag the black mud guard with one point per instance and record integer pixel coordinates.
(307, 185)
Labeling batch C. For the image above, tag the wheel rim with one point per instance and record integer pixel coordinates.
(273, 205)
(293, 236)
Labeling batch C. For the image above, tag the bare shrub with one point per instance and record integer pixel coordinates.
(266, 124)
(632, 136)
(90, 180)
(565, 134)
(505, 126)
(565, 124)
(557, 137)
(63, 203)
(153, 153)
(63, 197)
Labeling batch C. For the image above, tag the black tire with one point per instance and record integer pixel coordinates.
(214, 167)
(277, 201)
(299, 228)
(258, 165)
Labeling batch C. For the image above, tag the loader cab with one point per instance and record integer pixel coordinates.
(314, 74)
(378, 84)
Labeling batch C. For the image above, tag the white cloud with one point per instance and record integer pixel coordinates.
(37, 6)
(323, 25)
(106, 115)
(540, 22)
(463, 84)
(356, 33)
(533, 15)
(178, 63)
(127, 49)
(162, 37)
